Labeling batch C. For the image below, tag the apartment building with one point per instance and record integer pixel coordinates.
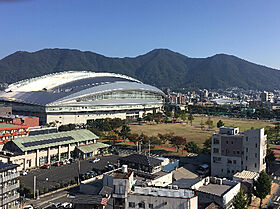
(127, 195)
(233, 151)
(9, 132)
(9, 184)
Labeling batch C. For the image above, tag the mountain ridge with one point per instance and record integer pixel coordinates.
(159, 67)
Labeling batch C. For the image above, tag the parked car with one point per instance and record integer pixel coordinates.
(46, 166)
(66, 205)
(28, 207)
(57, 164)
(95, 160)
(56, 204)
(67, 162)
(69, 205)
(24, 173)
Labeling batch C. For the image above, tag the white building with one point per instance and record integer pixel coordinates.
(234, 152)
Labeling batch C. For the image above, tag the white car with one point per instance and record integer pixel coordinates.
(24, 173)
(66, 205)
(95, 160)
(28, 207)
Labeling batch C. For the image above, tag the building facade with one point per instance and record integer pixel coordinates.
(233, 152)
(9, 184)
(10, 132)
(76, 97)
(34, 151)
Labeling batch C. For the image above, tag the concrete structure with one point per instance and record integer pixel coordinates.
(34, 151)
(233, 151)
(9, 132)
(126, 195)
(9, 184)
(5, 111)
(248, 176)
(20, 120)
(38, 130)
(76, 97)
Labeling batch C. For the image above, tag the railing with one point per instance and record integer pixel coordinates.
(8, 177)
(9, 188)
(4, 201)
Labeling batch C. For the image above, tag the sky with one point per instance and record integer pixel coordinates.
(249, 29)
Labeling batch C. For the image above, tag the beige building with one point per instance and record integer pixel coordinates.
(35, 151)
(233, 151)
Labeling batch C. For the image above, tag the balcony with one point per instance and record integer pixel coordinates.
(5, 201)
(9, 188)
(9, 177)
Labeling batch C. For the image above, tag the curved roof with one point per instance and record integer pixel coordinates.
(56, 89)
(51, 81)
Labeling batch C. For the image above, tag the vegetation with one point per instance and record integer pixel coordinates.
(262, 186)
(220, 124)
(240, 201)
(209, 73)
(192, 147)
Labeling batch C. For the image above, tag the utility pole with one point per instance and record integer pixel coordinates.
(79, 169)
(149, 147)
(34, 188)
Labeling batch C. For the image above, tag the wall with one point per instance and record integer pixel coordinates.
(163, 202)
(162, 181)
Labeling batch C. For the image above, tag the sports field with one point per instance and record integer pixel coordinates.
(194, 132)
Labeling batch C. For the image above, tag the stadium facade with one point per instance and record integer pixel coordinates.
(79, 96)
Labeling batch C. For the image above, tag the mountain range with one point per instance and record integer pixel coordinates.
(159, 67)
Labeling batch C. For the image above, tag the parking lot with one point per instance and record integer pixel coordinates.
(55, 176)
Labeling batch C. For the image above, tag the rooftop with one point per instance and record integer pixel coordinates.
(215, 189)
(92, 147)
(142, 159)
(185, 183)
(53, 139)
(120, 175)
(246, 175)
(8, 125)
(163, 192)
(6, 166)
(182, 172)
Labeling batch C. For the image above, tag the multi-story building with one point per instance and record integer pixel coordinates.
(9, 132)
(233, 151)
(20, 120)
(9, 184)
(127, 195)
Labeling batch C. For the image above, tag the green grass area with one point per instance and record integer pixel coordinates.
(195, 133)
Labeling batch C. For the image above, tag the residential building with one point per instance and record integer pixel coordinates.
(9, 132)
(9, 184)
(34, 151)
(233, 151)
(211, 189)
(127, 195)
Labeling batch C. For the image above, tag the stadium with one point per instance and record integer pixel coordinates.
(79, 96)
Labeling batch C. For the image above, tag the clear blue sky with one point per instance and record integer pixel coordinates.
(249, 29)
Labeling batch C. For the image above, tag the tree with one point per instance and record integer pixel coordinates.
(269, 158)
(112, 137)
(166, 137)
(220, 124)
(201, 124)
(168, 114)
(155, 140)
(133, 138)
(115, 123)
(124, 131)
(192, 147)
(262, 186)
(240, 201)
(207, 146)
(183, 116)
(190, 118)
(209, 123)
(178, 141)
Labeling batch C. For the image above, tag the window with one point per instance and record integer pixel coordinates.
(246, 157)
(256, 155)
(141, 205)
(229, 161)
(222, 170)
(227, 142)
(246, 138)
(216, 141)
(151, 206)
(231, 142)
(216, 150)
(256, 145)
(131, 204)
(241, 162)
(246, 149)
(232, 171)
(233, 152)
(234, 162)
(237, 152)
(255, 165)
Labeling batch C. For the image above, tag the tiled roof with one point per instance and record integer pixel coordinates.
(141, 159)
(6, 166)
